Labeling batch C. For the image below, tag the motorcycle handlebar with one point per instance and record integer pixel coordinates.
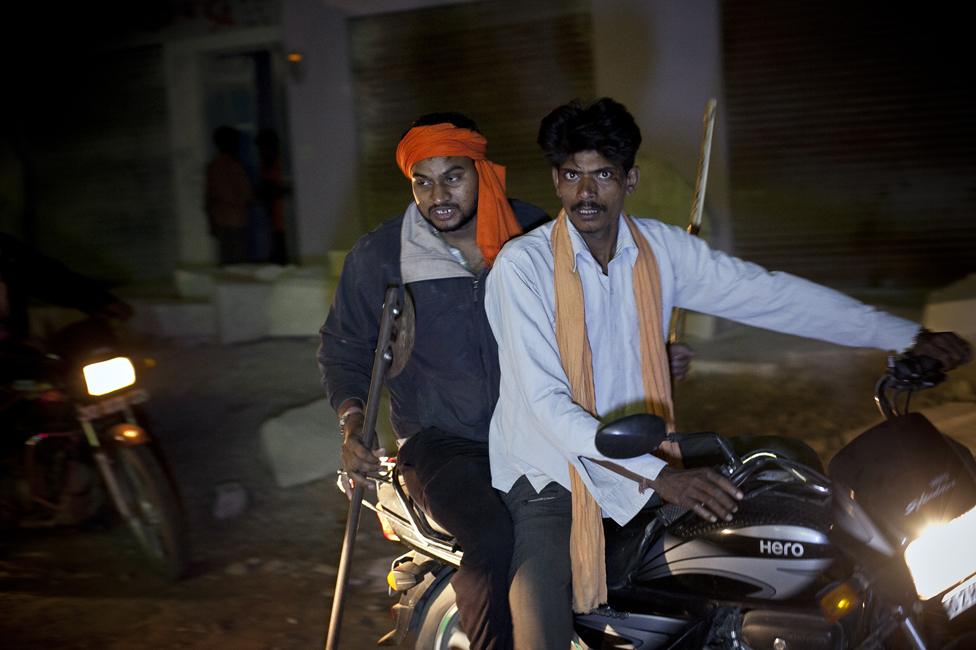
(906, 374)
(916, 371)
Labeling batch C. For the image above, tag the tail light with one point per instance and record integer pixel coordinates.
(388, 533)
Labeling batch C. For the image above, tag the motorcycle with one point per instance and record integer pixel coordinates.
(876, 553)
(76, 419)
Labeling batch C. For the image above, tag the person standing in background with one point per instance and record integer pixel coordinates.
(228, 194)
(272, 191)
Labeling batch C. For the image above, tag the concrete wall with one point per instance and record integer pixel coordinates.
(321, 123)
(663, 60)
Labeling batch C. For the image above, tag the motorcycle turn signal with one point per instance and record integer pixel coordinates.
(129, 434)
(840, 601)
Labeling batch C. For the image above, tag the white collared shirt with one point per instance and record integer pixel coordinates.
(537, 429)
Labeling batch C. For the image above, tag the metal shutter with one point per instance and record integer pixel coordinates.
(852, 141)
(504, 64)
(101, 156)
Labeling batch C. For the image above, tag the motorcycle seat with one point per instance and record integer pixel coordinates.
(423, 517)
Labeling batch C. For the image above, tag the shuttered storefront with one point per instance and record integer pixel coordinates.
(505, 64)
(99, 144)
(852, 141)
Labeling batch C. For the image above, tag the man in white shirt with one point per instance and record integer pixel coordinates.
(625, 275)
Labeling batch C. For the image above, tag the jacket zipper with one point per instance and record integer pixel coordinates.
(483, 335)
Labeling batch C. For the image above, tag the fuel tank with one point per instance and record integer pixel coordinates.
(775, 548)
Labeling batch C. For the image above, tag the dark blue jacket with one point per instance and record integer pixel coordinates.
(451, 379)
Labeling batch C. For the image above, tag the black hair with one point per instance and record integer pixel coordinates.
(604, 126)
(459, 120)
(227, 139)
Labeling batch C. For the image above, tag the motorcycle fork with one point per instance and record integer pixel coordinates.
(908, 627)
(105, 467)
(898, 618)
(130, 417)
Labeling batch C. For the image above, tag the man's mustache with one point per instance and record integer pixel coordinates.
(588, 205)
(455, 206)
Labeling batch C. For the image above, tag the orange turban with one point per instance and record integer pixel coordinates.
(496, 220)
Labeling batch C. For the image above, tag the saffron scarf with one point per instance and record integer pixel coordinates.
(496, 219)
(587, 545)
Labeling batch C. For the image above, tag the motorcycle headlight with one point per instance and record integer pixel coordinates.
(943, 555)
(107, 376)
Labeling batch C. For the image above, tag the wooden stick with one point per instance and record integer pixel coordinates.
(382, 359)
(697, 203)
(704, 156)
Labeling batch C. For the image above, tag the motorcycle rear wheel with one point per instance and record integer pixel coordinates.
(154, 519)
(441, 625)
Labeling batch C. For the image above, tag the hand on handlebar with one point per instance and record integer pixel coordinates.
(357, 460)
(712, 496)
(945, 347)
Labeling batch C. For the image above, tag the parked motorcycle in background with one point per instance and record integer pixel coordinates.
(880, 554)
(75, 442)
(72, 439)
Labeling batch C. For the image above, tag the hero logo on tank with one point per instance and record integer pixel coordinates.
(781, 549)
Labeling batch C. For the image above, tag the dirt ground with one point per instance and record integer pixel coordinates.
(265, 579)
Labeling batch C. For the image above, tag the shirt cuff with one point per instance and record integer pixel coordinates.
(619, 497)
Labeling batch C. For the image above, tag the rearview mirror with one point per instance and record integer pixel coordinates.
(631, 436)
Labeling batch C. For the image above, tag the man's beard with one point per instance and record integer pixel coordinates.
(465, 219)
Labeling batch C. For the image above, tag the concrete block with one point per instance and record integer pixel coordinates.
(299, 302)
(336, 259)
(243, 310)
(194, 284)
(756, 369)
(953, 308)
(255, 272)
(302, 444)
(700, 326)
(174, 320)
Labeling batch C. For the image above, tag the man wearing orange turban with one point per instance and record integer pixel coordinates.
(440, 250)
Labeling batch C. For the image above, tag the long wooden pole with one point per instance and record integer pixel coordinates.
(382, 358)
(697, 202)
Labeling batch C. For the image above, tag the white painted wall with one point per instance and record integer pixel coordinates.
(322, 126)
(663, 60)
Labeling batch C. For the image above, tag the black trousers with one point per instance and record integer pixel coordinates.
(450, 478)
